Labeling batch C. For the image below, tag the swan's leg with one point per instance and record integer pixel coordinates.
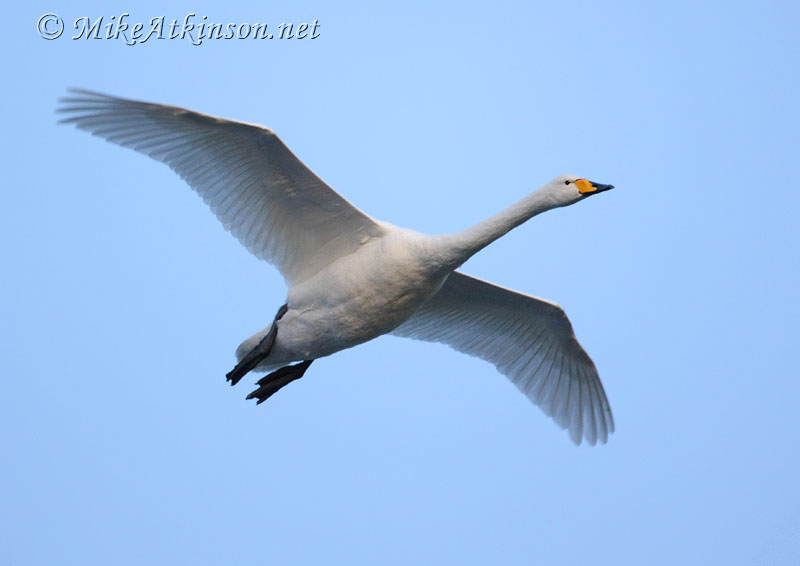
(270, 384)
(257, 354)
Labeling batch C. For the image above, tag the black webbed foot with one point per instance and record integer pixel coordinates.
(257, 354)
(270, 384)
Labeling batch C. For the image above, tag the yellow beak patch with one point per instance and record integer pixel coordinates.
(585, 186)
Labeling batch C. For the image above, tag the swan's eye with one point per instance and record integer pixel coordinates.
(566, 182)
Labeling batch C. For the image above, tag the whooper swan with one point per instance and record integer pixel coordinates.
(352, 278)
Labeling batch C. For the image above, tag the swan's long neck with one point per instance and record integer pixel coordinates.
(459, 247)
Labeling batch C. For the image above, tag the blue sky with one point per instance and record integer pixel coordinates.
(124, 299)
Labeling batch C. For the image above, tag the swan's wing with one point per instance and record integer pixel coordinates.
(529, 340)
(259, 190)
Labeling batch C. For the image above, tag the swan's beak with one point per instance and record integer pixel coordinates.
(589, 188)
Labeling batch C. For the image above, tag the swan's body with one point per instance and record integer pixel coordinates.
(352, 278)
(356, 298)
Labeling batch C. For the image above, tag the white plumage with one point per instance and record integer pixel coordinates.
(352, 278)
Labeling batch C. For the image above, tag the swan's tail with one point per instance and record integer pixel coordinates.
(247, 346)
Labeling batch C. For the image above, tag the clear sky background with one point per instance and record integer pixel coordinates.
(123, 298)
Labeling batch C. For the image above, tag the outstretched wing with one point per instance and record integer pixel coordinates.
(529, 340)
(264, 195)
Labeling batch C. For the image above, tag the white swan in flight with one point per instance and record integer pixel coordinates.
(352, 278)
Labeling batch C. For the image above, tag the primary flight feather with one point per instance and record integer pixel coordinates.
(352, 278)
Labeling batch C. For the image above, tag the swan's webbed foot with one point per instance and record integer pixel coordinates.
(270, 384)
(257, 354)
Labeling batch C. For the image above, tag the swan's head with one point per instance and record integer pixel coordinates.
(569, 189)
